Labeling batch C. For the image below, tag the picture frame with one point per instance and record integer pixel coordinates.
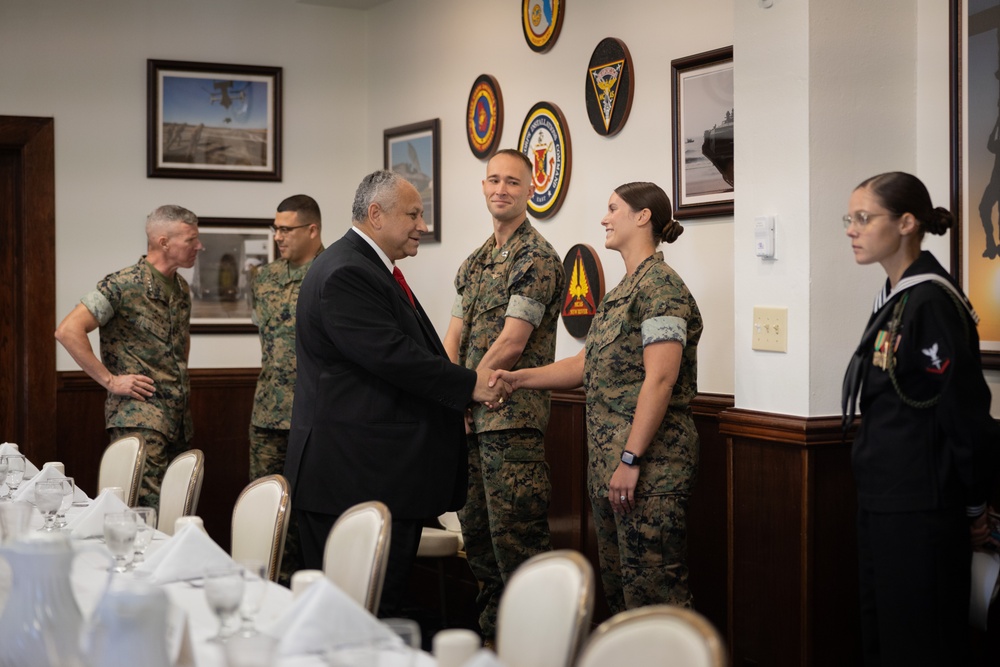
(414, 151)
(213, 121)
(701, 91)
(220, 278)
(975, 163)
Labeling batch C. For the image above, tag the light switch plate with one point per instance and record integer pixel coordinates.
(770, 329)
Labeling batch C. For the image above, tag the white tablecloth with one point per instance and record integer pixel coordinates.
(89, 578)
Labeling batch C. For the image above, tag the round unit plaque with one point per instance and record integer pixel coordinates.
(484, 116)
(584, 289)
(609, 86)
(545, 140)
(541, 21)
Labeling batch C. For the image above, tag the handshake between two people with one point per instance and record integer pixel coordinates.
(493, 387)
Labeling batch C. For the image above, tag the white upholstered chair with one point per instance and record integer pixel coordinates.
(658, 635)
(260, 523)
(545, 610)
(181, 488)
(440, 542)
(357, 551)
(122, 465)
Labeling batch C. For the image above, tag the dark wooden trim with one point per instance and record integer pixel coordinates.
(31, 211)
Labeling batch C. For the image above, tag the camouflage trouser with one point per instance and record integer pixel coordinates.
(267, 457)
(160, 451)
(643, 554)
(505, 520)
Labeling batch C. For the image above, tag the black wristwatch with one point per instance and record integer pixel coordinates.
(629, 459)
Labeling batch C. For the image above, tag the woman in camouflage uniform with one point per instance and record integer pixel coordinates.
(639, 371)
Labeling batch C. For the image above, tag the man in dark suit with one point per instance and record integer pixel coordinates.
(378, 407)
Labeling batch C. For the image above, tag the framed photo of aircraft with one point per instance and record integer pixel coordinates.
(208, 120)
(414, 151)
(975, 162)
(701, 90)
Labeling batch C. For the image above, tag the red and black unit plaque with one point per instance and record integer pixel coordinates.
(609, 86)
(545, 140)
(484, 116)
(584, 289)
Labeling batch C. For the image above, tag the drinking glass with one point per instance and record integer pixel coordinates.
(48, 497)
(69, 491)
(119, 536)
(15, 473)
(15, 518)
(224, 592)
(146, 526)
(254, 587)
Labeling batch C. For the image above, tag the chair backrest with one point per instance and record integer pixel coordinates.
(545, 610)
(122, 465)
(260, 523)
(181, 488)
(660, 635)
(357, 550)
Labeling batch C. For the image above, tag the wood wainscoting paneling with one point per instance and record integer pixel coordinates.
(792, 543)
(221, 402)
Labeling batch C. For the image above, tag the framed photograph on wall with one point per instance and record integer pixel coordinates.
(414, 151)
(207, 120)
(701, 91)
(220, 278)
(975, 162)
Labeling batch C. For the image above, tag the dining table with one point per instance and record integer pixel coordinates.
(90, 576)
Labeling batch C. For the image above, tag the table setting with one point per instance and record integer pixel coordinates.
(123, 591)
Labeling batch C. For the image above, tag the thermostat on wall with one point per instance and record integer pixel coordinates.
(763, 235)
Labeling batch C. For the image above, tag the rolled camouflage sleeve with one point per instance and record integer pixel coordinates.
(99, 306)
(456, 307)
(664, 328)
(532, 285)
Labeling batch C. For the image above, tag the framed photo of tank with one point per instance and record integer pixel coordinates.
(215, 121)
(414, 151)
(701, 90)
(975, 162)
(220, 278)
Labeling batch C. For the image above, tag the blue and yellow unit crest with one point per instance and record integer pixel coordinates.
(484, 116)
(541, 21)
(545, 140)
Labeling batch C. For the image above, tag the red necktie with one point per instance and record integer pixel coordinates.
(398, 275)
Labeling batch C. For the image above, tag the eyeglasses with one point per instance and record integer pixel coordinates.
(284, 230)
(861, 218)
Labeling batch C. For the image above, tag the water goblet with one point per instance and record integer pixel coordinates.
(254, 587)
(119, 535)
(69, 491)
(146, 526)
(15, 473)
(48, 497)
(224, 593)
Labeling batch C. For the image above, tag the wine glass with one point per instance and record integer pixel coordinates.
(254, 587)
(146, 526)
(69, 491)
(48, 497)
(15, 473)
(224, 592)
(119, 535)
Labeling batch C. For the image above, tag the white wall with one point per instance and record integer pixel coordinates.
(423, 58)
(84, 63)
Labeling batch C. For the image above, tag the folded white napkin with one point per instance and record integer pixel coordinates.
(325, 617)
(26, 491)
(30, 469)
(90, 522)
(185, 556)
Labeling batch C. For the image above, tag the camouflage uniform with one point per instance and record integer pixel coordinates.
(505, 520)
(275, 288)
(642, 553)
(145, 330)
